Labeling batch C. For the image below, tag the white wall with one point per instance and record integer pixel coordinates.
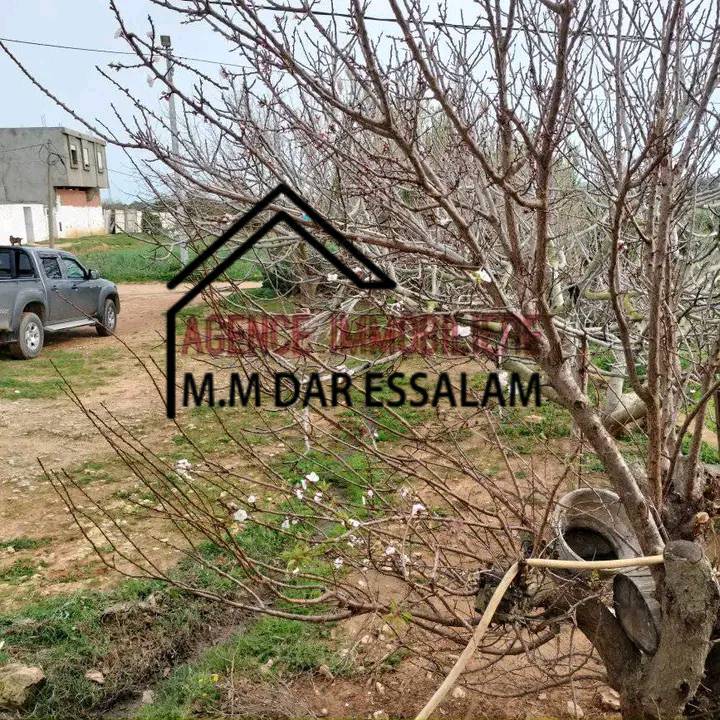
(12, 222)
(74, 221)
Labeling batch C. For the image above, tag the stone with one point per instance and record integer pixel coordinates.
(325, 671)
(365, 640)
(609, 699)
(323, 712)
(542, 696)
(380, 715)
(265, 669)
(458, 693)
(95, 676)
(148, 697)
(574, 710)
(379, 688)
(18, 684)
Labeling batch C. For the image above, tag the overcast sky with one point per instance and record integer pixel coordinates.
(73, 77)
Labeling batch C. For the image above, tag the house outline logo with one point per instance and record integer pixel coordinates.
(382, 281)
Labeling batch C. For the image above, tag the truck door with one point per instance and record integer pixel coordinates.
(85, 291)
(60, 298)
(8, 289)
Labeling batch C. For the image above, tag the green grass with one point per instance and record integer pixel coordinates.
(18, 572)
(67, 636)
(41, 378)
(24, 543)
(197, 688)
(549, 421)
(126, 258)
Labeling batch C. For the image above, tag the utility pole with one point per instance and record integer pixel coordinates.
(166, 42)
(51, 160)
(52, 230)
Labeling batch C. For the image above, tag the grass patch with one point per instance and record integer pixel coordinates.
(197, 688)
(39, 378)
(127, 258)
(18, 572)
(708, 454)
(523, 428)
(69, 635)
(24, 543)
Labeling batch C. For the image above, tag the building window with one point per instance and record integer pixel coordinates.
(86, 158)
(73, 155)
(100, 162)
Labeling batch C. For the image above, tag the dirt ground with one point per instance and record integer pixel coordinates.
(55, 434)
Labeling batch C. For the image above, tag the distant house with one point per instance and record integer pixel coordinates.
(39, 162)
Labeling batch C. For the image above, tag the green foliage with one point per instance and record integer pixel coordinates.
(67, 636)
(708, 454)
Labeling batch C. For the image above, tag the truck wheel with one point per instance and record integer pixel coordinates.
(106, 325)
(30, 337)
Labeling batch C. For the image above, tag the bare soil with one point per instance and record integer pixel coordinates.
(52, 434)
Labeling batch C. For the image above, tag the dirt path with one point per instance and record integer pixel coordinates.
(56, 433)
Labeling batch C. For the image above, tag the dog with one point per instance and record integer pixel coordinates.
(15, 240)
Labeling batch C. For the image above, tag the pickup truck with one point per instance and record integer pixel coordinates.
(44, 291)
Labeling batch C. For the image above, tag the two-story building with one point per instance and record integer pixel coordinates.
(50, 166)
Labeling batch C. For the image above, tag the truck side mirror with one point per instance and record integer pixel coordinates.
(93, 275)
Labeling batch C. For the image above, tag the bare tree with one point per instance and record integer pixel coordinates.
(550, 160)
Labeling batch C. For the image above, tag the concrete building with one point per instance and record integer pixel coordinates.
(54, 167)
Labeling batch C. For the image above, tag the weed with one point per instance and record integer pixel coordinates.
(18, 572)
(24, 543)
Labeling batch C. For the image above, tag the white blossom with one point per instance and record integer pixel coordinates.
(390, 550)
(338, 563)
(417, 508)
(240, 515)
(354, 523)
(285, 525)
(298, 493)
(312, 477)
(251, 499)
(332, 277)
(463, 331)
(318, 497)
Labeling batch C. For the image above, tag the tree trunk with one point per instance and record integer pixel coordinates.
(690, 603)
